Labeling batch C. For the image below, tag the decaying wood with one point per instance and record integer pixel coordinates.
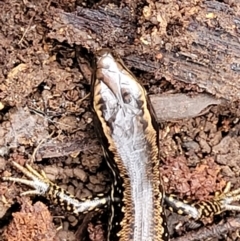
(92, 28)
(219, 231)
(170, 107)
(58, 149)
(211, 63)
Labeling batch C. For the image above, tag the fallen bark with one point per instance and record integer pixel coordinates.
(210, 62)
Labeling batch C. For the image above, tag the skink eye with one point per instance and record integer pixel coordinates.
(126, 95)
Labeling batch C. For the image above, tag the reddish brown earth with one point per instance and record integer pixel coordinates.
(188, 57)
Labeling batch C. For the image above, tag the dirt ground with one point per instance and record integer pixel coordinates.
(188, 57)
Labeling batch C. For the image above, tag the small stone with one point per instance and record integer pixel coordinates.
(79, 173)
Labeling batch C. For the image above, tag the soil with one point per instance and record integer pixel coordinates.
(186, 53)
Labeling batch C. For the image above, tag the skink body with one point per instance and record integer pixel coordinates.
(128, 132)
